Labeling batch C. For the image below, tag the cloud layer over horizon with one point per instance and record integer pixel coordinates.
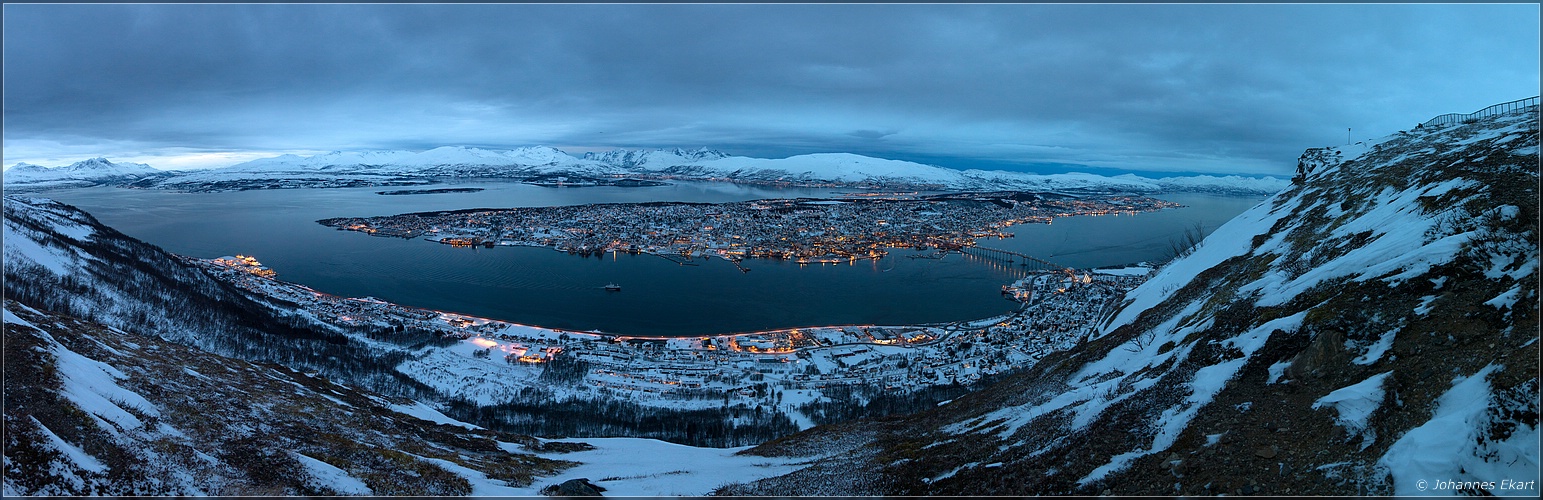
(1222, 89)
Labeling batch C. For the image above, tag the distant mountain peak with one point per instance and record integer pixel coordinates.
(702, 153)
(82, 173)
(101, 163)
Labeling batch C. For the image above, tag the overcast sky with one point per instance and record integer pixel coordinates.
(1048, 88)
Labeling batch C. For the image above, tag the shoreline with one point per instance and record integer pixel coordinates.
(493, 361)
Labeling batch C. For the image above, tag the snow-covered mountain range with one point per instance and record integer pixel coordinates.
(79, 174)
(831, 169)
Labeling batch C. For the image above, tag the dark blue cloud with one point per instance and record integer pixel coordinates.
(1208, 88)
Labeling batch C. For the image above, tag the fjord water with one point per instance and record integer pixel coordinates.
(543, 287)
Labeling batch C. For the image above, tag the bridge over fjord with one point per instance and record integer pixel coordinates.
(1027, 263)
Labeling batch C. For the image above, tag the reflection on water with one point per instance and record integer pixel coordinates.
(659, 297)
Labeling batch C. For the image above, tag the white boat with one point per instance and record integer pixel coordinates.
(613, 287)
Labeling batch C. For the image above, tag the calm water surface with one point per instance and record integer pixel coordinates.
(548, 288)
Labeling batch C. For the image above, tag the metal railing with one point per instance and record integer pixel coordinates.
(1504, 107)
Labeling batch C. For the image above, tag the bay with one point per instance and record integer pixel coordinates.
(543, 287)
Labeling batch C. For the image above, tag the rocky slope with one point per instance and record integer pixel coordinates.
(93, 410)
(1370, 330)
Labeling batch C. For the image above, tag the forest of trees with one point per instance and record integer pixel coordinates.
(851, 402)
(539, 412)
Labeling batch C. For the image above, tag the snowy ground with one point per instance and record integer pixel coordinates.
(646, 467)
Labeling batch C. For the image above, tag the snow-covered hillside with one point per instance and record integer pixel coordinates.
(24, 176)
(1370, 330)
(93, 410)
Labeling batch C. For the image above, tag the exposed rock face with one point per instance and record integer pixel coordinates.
(1373, 326)
(573, 488)
(1316, 158)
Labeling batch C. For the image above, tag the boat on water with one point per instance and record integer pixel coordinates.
(613, 287)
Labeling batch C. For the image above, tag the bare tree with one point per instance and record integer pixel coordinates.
(1186, 242)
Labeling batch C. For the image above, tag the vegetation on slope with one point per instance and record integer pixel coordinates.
(91, 410)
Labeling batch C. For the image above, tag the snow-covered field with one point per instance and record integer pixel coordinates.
(647, 467)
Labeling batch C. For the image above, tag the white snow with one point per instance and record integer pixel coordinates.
(647, 467)
(1231, 239)
(1206, 384)
(20, 248)
(1355, 404)
(1277, 370)
(481, 484)
(426, 412)
(1506, 300)
(92, 385)
(1446, 448)
(326, 475)
(14, 319)
(94, 169)
(78, 456)
(1425, 305)
(1397, 248)
(1125, 271)
(950, 473)
(1377, 349)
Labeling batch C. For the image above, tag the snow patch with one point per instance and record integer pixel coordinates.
(1447, 448)
(1277, 370)
(481, 484)
(647, 467)
(92, 385)
(325, 475)
(1505, 300)
(426, 412)
(81, 459)
(19, 247)
(16, 320)
(1355, 405)
(1425, 305)
(1376, 350)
